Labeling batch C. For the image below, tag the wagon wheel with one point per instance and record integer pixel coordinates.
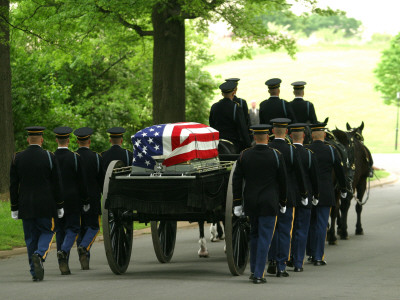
(163, 234)
(237, 233)
(117, 229)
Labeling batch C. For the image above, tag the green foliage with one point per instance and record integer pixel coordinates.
(387, 72)
(12, 232)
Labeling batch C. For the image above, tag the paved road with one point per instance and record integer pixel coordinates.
(363, 267)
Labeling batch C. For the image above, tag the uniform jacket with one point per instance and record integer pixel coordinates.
(304, 111)
(227, 117)
(261, 170)
(243, 104)
(35, 185)
(116, 153)
(254, 116)
(75, 193)
(274, 107)
(310, 167)
(92, 165)
(328, 160)
(294, 170)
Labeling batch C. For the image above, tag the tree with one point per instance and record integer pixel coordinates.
(387, 72)
(6, 119)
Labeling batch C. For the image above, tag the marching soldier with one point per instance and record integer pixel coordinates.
(93, 170)
(303, 209)
(242, 103)
(328, 160)
(74, 194)
(280, 246)
(116, 152)
(226, 116)
(262, 168)
(275, 107)
(302, 109)
(35, 191)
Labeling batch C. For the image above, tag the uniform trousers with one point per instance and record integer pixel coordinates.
(280, 245)
(318, 230)
(261, 232)
(39, 233)
(300, 234)
(68, 228)
(90, 228)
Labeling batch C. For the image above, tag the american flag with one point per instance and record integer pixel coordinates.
(176, 142)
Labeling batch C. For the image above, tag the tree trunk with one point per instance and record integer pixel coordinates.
(168, 64)
(6, 120)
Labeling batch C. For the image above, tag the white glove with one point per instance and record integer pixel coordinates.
(282, 209)
(314, 201)
(238, 211)
(14, 214)
(60, 213)
(86, 207)
(343, 195)
(304, 201)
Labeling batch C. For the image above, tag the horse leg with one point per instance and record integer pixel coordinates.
(331, 236)
(203, 252)
(344, 209)
(360, 194)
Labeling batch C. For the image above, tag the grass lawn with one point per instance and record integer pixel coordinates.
(340, 83)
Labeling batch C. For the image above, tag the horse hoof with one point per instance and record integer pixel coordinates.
(332, 242)
(203, 254)
(359, 232)
(344, 237)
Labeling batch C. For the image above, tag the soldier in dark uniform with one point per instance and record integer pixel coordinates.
(226, 116)
(280, 247)
(302, 109)
(242, 103)
(75, 197)
(116, 152)
(328, 160)
(262, 168)
(303, 209)
(92, 165)
(35, 191)
(275, 107)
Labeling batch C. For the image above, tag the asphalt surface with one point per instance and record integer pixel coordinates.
(363, 267)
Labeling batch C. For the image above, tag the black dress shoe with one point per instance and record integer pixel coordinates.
(63, 263)
(282, 274)
(319, 263)
(83, 258)
(34, 278)
(38, 266)
(289, 264)
(259, 280)
(271, 267)
(310, 259)
(251, 276)
(297, 269)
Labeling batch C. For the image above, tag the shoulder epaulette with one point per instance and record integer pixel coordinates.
(279, 152)
(243, 151)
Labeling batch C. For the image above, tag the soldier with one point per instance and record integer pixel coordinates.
(303, 210)
(280, 246)
(242, 103)
(328, 160)
(226, 116)
(263, 171)
(75, 197)
(116, 152)
(302, 109)
(275, 107)
(254, 114)
(93, 169)
(35, 191)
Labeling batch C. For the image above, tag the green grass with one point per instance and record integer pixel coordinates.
(340, 83)
(380, 174)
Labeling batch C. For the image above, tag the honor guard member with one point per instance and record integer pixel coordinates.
(226, 116)
(328, 160)
(35, 191)
(242, 103)
(116, 152)
(74, 195)
(93, 169)
(279, 251)
(254, 113)
(275, 107)
(303, 110)
(259, 180)
(303, 209)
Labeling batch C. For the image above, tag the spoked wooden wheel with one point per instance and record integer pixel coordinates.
(237, 235)
(117, 229)
(163, 234)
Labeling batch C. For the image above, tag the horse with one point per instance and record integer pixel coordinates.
(227, 151)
